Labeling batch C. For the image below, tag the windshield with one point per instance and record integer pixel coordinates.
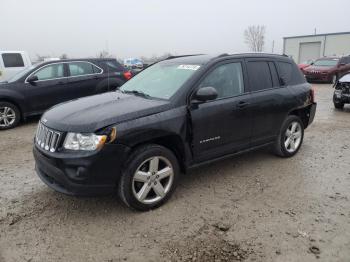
(326, 62)
(160, 80)
(21, 74)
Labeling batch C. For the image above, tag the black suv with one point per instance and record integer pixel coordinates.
(36, 89)
(175, 115)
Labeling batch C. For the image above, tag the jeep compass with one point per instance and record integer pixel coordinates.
(175, 115)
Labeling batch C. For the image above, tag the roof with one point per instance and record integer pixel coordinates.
(300, 36)
(76, 59)
(203, 59)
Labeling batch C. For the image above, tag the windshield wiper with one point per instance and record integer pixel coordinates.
(137, 93)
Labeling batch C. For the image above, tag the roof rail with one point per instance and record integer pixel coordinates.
(223, 55)
(178, 56)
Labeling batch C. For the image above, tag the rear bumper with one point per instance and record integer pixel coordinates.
(312, 113)
(81, 175)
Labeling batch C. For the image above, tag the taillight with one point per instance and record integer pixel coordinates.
(127, 75)
(312, 95)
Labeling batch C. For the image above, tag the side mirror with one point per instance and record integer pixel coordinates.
(205, 93)
(32, 79)
(342, 64)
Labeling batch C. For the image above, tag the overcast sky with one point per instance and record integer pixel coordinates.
(133, 28)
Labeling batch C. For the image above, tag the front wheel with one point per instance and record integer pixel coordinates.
(149, 178)
(290, 137)
(9, 115)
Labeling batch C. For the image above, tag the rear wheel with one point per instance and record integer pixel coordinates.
(290, 137)
(149, 178)
(9, 115)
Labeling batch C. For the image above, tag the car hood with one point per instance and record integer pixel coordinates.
(345, 78)
(92, 113)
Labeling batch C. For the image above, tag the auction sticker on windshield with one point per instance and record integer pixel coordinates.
(189, 67)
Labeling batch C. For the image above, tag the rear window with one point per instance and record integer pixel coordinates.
(113, 65)
(290, 74)
(12, 60)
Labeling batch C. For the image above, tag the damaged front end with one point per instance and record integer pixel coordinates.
(342, 92)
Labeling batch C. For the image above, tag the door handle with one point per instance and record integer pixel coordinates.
(242, 104)
(60, 83)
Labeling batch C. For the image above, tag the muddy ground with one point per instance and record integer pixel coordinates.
(255, 207)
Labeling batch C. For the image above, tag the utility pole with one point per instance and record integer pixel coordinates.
(315, 31)
(273, 45)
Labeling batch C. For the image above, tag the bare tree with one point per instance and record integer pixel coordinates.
(103, 54)
(64, 56)
(255, 37)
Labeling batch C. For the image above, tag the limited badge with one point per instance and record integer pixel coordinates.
(189, 67)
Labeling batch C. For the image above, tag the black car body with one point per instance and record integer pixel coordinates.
(196, 124)
(341, 94)
(38, 88)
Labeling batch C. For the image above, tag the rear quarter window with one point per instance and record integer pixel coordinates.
(12, 60)
(113, 65)
(290, 73)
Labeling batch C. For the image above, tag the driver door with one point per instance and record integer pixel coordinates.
(223, 125)
(48, 90)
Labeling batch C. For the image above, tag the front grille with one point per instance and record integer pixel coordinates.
(47, 138)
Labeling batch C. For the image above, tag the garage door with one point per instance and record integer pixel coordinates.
(309, 51)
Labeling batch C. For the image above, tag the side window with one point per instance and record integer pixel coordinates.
(259, 75)
(12, 60)
(50, 72)
(290, 73)
(286, 70)
(275, 80)
(97, 70)
(80, 68)
(227, 79)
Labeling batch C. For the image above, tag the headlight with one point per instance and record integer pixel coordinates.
(86, 142)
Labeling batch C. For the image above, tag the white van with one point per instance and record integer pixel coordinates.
(12, 62)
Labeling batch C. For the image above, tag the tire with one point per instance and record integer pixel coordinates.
(152, 186)
(338, 105)
(284, 149)
(10, 115)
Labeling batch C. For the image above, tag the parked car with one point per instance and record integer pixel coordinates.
(39, 87)
(327, 69)
(173, 116)
(135, 64)
(12, 62)
(305, 64)
(342, 92)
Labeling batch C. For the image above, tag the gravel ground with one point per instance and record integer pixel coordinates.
(255, 207)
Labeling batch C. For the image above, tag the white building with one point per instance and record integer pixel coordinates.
(307, 47)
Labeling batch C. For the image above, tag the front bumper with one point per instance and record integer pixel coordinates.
(318, 77)
(340, 97)
(81, 174)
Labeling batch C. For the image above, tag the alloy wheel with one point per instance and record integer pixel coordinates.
(7, 116)
(153, 180)
(292, 138)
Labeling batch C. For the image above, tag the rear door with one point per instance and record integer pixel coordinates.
(270, 100)
(83, 77)
(223, 125)
(49, 90)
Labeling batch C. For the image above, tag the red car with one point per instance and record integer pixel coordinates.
(327, 69)
(305, 64)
